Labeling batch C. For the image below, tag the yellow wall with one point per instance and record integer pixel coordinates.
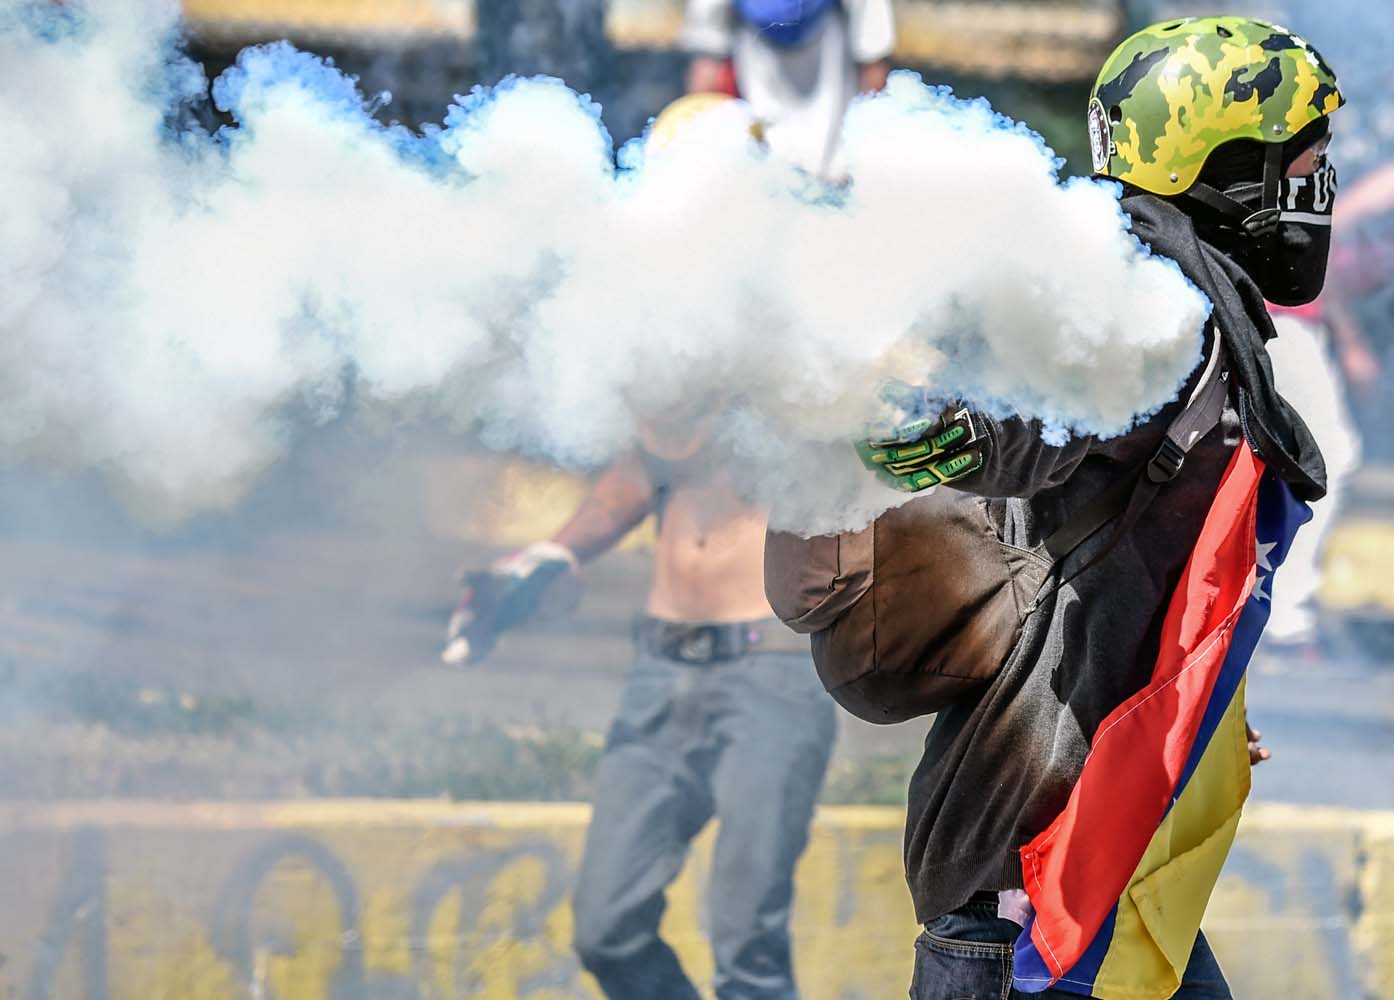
(341, 18)
(352, 899)
(504, 502)
(1064, 40)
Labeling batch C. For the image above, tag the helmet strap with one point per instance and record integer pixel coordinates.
(1259, 223)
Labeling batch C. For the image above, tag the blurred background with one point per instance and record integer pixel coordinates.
(289, 649)
(290, 646)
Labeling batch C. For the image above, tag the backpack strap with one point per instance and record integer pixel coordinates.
(1132, 494)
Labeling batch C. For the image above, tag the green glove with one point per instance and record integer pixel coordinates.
(923, 452)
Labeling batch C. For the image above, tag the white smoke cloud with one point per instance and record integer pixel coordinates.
(173, 306)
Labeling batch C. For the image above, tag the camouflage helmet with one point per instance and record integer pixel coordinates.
(1174, 92)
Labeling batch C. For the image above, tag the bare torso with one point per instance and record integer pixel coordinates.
(709, 564)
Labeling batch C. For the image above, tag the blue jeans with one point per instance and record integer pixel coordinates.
(746, 741)
(967, 955)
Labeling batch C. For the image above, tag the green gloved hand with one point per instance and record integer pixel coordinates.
(922, 452)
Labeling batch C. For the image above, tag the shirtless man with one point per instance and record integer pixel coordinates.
(722, 716)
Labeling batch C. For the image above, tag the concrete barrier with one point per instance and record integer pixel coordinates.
(374, 900)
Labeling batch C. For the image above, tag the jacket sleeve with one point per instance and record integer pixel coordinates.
(708, 28)
(1018, 462)
(870, 29)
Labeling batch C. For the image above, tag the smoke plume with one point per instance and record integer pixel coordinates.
(175, 305)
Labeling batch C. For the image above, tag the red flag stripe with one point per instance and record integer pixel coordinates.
(1077, 867)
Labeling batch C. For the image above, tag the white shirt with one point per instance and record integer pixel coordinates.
(799, 93)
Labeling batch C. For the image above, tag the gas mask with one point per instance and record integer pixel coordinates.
(1279, 230)
(1288, 260)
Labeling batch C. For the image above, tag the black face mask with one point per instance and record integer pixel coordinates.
(1287, 259)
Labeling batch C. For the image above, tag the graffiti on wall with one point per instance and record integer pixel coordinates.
(474, 926)
(419, 912)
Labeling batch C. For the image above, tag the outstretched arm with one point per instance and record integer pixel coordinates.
(707, 35)
(871, 76)
(1358, 362)
(871, 31)
(1373, 194)
(971, 451)
(541, 577)
(616, 503)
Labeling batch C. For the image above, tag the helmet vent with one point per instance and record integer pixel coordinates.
(1173, 27)
(1223, 32)
(1115, 114)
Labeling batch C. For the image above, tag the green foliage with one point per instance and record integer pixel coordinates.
(91, 735)
(880, 780)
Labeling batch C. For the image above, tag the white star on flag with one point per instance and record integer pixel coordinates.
(1265, 549)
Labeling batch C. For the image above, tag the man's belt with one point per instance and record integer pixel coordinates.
(701, 643)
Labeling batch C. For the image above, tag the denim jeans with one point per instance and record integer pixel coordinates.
(967, 955)
(746, 741)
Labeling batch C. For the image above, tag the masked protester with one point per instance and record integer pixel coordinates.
(721, 716)
(1071, 814)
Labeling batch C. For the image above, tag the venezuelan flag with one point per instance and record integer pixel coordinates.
(1119, 881)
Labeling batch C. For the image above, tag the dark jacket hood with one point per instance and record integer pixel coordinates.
(1272, 427)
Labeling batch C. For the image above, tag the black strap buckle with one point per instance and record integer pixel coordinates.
(1167, 462)
(1262, 222)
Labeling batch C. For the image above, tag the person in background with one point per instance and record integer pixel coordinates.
(798, 64)
(1359, 308)
(1333, 360)
(1308, 378)
(722, 714)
